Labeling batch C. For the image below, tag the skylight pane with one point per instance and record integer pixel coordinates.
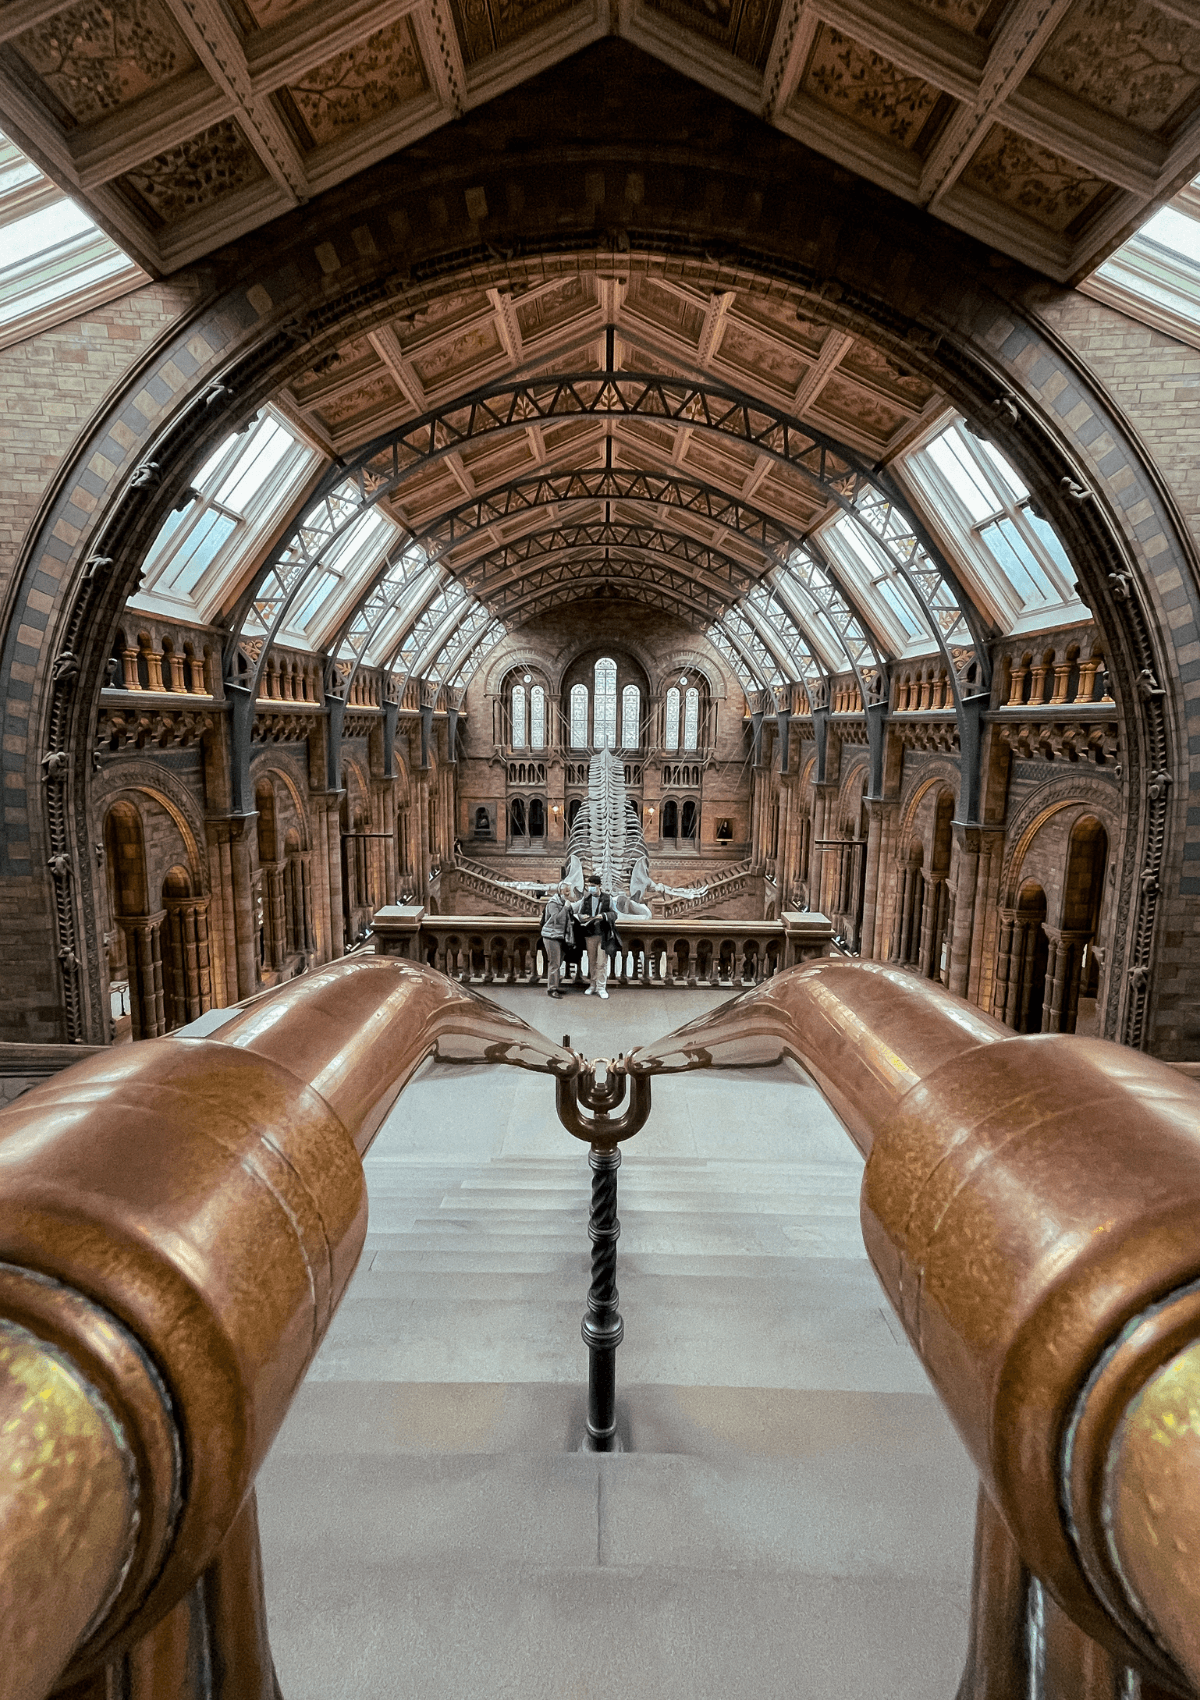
(1018, 562)
(1008, 474)
(37, 232)
(55, 261)
(963, 476)
(198, 552)
(1174, 230)
(1049, 539)
(266, 449)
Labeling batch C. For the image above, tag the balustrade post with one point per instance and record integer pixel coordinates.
(602, 1327)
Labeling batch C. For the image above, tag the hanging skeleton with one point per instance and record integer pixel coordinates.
(606, 838)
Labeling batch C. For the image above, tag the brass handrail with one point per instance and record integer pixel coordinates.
(178, 1221)
(1030, 1205)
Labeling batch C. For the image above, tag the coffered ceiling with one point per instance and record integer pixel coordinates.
(1045, 127)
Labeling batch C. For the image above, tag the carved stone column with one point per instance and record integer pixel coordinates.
(1065, 960)
(333, 861)
(143, 954)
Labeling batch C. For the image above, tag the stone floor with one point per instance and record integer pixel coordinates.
(793, 1516)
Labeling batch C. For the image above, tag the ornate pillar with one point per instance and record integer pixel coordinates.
(816, 855)
(333, 862)
(306, 934)
(143, 953)
(276, 922)
(243, 906)
(871, 883)
(965, 886)
(1004, 962)
(319, 873)
(1061, 1005)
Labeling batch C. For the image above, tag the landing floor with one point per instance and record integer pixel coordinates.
(793, 1517)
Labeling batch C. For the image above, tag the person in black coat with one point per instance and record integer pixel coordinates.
(597, 916)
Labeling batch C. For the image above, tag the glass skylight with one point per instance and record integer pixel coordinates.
(887, 599)
(1008, 555)
(55, 261)
(205, 547)
(1155, 275)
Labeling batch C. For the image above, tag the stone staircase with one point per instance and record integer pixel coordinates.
(792, 1515)
(477, 884)
(722, 888)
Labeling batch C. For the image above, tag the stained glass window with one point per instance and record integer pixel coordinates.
(631, 718)
(518, 717)
(605, 706)
(691, 719)
(537, 718)
(579, 717)
(671, 729)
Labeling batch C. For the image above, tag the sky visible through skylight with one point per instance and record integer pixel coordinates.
(54, 259)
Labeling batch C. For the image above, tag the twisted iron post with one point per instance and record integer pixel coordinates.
(602, 1327)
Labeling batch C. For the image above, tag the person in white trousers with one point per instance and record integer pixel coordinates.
(597, 916)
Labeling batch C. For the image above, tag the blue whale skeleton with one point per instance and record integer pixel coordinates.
(606, 838)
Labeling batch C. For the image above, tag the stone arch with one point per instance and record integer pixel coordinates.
(274, 278)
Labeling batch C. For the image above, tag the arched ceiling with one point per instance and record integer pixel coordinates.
(622, 432)
(1048, 128)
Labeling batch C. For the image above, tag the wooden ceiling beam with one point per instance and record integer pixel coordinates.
(1021, 36)
(217, 45)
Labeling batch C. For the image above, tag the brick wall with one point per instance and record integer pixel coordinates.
(51, 386)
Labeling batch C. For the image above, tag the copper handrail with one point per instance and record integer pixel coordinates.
(178, 1221)
(1030, 1205)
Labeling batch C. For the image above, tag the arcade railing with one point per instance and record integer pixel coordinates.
(663, 952)
(179, 1219)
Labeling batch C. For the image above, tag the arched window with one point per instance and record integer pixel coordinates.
(573, 808)
(579, 717)
(537, 718)
(687, 822)
(518, 717)
(537, 818)
(605, 706)
(671, 732)
(517, 817)
(691, 721)
(631, 718)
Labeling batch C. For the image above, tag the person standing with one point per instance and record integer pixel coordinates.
(598, 919)
(556, 923)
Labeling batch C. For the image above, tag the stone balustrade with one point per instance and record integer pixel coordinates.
(506, 949)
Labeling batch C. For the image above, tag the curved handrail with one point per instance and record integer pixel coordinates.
(1029, 1204)
(178, 1221)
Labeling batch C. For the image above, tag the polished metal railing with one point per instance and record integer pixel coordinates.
(179, 1219)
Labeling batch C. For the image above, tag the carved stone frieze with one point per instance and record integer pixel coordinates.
(1062, 740)
(143, 727)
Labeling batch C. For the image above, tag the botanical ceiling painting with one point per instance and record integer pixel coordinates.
(865, 86)
(741, 27)
(196, 173)
(95, 58)
(319, 93)
(977, 17)
(360, 84)
(1034, 180)
(1127, 57)
(485, 25)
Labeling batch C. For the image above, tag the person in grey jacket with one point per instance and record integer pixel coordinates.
(556, 919)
